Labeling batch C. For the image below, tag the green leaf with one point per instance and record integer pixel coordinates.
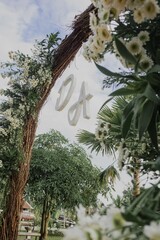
(123, 51)
(128, 216)
(152, 129)
(126, 124)
(129, 107)
(137, 66)
(139, 101)
(122, 92)
(145, 117)
(152, 79)
(151, 94)
(127, 117)
(108, 100)
(107, 72)
(150, 215)
(157, 164)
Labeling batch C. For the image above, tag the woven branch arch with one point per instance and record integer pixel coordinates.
(68, 49)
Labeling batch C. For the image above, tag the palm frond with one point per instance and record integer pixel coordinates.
(109, 175)
(89, 139)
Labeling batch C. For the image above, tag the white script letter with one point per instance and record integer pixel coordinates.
(75, 109)
(61, 101)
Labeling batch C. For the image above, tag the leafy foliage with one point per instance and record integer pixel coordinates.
(63, 171)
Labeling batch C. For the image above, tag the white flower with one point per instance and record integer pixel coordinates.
(152, 231)
(15, 123)
(86, 221)
(99, 134)
(144, 36)
(134, 46)
(139, 3)
(13, 55)
(98, 42)
(113, 219)
(2, 131)
(93, 22)
(97, 46)
(21, 107)
(120, 4)
(8, 113)
(138, 15)
(130, 4)
(145, 63)
(103, 33)
(151, 9)
(34, 83)
(114, 13)
(103, 15)
(85, 52)
(142, 53)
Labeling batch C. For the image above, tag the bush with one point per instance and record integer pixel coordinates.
(57, 233)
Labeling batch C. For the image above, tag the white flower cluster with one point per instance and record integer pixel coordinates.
(136, 46)
(31, 73)
(3, 132)
(111, 226)
(14, 121)
(102, 30)
(102, 132)
(26, 77)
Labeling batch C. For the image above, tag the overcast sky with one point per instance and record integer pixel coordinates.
(21, 22)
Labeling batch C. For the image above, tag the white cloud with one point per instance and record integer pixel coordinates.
(14, 18)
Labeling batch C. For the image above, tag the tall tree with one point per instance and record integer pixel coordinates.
(61, 176)
(20, 91)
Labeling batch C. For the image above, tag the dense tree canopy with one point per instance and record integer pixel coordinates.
(62, 170)
(61, 175)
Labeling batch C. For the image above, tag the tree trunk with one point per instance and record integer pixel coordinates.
(68, 49)
(136, 178)
(45, 219)
(17, 182)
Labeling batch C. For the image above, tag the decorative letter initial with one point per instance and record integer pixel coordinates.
(75, 109)
(61, 102)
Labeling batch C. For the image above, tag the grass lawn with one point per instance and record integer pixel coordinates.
(55, 238)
